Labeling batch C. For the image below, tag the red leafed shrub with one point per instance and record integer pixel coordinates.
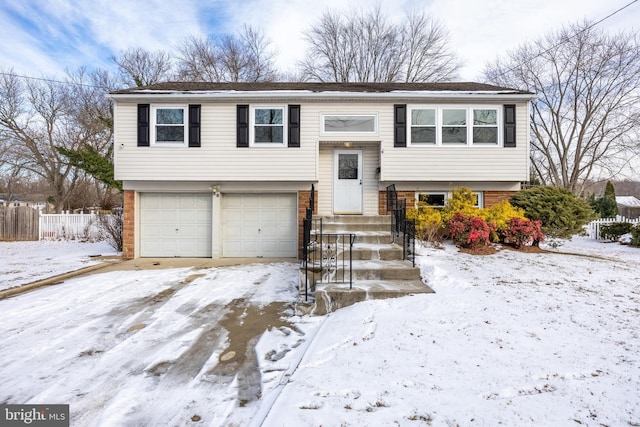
(469, 231)
(522, 232)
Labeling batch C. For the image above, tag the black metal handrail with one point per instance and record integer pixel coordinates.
(403, 230)
(327, 257)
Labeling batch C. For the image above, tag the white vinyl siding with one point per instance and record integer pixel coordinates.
(218, 158)
(455, 163)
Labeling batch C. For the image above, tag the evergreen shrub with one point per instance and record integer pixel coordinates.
(561, 212)
(635, 236)
(613, 231)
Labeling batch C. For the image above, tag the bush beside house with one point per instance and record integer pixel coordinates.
(562, 213)
(472, 227)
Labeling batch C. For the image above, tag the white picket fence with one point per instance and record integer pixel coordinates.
(69, 227)
(593, 228)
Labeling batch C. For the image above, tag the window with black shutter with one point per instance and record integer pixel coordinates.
(143, 125)
(194, 125)
(242, 131)
(400, 125)
(510, 125)
(293, 139)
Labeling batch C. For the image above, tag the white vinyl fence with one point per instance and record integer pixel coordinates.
(69, 227)
(593, 228)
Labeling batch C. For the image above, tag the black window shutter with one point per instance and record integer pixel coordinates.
(242, 134)
(294, 126)
(400, 125)
(143, 125)
(510, 125)
(194, 125)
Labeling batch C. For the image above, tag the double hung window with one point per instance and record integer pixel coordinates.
(454, 126)
(169, 125)
(423, 126)
(268, 125)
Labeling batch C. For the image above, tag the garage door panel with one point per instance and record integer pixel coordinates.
(259, 225)
(175, 225)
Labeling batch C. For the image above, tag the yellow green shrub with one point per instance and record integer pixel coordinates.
(501, 213)
(463, 201)
(429, 224)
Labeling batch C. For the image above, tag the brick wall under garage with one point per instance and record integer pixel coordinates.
(128, 225)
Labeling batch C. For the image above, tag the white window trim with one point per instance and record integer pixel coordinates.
(252, 124)
(469, 124)
(447, 197)
(153, 124)
(323, 130)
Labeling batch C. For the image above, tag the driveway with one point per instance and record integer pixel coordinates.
(137, 344)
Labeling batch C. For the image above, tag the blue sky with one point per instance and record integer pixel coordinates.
(45, 37)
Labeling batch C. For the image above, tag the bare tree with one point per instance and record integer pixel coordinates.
(242, 57)
(425, 45)
(198, 60)
(364, 46)
(584, 124)
(140, 67)
(36, 116)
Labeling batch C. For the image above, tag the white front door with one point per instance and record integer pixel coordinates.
(347, 182)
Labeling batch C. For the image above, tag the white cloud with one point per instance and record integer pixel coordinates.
(66, 34)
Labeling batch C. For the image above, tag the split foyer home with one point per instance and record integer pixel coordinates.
(225, 169)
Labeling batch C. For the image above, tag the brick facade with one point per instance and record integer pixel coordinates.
(493, 197)
(303, 204)
(409, 196)
(128, 224)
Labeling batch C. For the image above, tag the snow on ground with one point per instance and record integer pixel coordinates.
(513, 339)
(26, 262)
(507, 339)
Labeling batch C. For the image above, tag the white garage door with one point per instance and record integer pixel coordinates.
(259, 225)
(175, 225)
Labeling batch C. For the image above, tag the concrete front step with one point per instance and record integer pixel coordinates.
(383, 270)
(330, 297)
(373, 237)
(378, 268)
(357, 219)
(355, 223)
(375, 251)
(355, 228)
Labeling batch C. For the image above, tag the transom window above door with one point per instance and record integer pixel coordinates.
(350, 123)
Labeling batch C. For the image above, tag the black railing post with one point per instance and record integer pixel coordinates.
(400, 225)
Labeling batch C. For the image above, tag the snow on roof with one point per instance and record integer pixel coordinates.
(315, 89)
(628, 201)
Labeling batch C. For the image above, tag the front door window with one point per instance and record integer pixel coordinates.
(347, 166)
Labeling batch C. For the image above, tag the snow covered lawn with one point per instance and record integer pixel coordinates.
(507, 339)
(510, 339)
(26, 262)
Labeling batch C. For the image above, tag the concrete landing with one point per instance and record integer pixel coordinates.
(330, 297)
